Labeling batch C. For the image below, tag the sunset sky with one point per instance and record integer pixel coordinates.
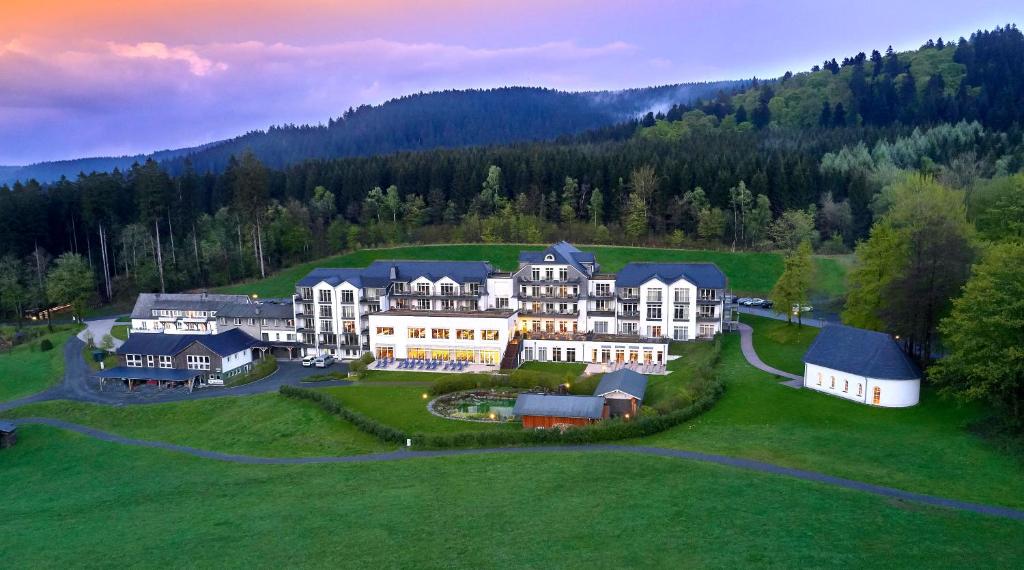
(98, 77)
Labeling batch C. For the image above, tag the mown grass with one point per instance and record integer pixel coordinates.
(572, 369)
(78, 502)
(749, 272)
(780, 344)
(265, 425)
(25, 369)
(927, 448)
(119, 332)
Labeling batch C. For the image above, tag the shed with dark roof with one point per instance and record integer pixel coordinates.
(8, 434)
(545, 411)
(863, 366)
(623, 390)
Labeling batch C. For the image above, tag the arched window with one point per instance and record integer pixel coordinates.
(846, 385)
(878, 395)
(833, 383)
(819, 379)
(860, 389)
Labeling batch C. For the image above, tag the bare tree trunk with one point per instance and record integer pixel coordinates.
(74, 232)
(170, 232)
(159, 255)
(195, 250)
(259, 240)
(106, 264)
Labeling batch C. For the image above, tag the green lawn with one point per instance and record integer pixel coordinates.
(267, 425)
(393, 375)
(405, 408)
(109, 358)
(79, 502)
(119, 332)
(751, 272)
(560, 368)
(780, 344)
(26, 370)
(926, 448)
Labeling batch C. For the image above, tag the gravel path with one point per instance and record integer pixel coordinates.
(747, 345)
(748, 464)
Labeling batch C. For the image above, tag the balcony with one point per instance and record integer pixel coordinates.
(708, 301)
(628, 296)
(543, 313)
(553, 295)
(546, 281)
(600, 313)
(707, 319)
(602, 294)
(438, 294)
(630, 315)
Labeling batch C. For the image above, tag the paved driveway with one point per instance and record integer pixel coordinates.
(100, 327)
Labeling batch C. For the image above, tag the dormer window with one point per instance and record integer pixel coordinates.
(549, 257)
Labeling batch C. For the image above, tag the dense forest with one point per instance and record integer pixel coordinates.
(445, 119)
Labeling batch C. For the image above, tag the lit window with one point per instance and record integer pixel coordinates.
(878, 395)
(417, 333)
(385, 331)
(488, 334)
(440, 334)
(464, 334)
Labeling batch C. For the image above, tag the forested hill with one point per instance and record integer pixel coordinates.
(445, 119)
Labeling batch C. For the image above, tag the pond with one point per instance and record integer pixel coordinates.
(476, 406)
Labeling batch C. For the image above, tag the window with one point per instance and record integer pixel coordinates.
(819, 379)
(654, 312)
(549, 274)
(325, 312)
(150, 361)
(133, 360)
(680, 333)
(348, 326)
(846, 385)
(166, 362)
(680, 312)
(447, 304)
(348, 296)
(473, 288)
(860, 389)
(570, 355)
(501, 302)
(601, 327)
(447, 289)
(489, 334)
(528, 353)
(833, 386)
(325, 296)
(542, 354)
(326, 326)
(464, 334)
(563, 274)
(385, 331)
(877, 396)
(681, 295)
(654, 295)
(347, 311)
(423, 304)
(630, 309)
(401, 287)
(629, 328)
(535, 273)
(707, 294)
(197, 362)
(423, 288)
(440, 334)
(417, 332)
(602, 289)
(654, 331)
(306, 293)
(556, 354)
(238, 321)
(307, 308)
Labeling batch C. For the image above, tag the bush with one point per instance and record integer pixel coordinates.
(261, 369)
(367, 358)
(335, 407)
(45, 345)
(356, 368)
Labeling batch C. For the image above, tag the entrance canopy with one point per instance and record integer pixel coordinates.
(160, 374)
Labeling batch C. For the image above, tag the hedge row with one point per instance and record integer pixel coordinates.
(333, 406)
(524, 379)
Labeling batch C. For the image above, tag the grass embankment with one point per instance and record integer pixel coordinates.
(265, 425)
(25, 369)
(260, 369)
(780, 344)
(926, 448)
(119, 331)
(750, 272)
(549, 510)
(567, 369)
(109, 358)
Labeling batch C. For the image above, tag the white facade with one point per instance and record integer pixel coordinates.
(237, 360)
(473, 337)
(872, 391)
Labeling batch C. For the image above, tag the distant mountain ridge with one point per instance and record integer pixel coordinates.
(441, 119)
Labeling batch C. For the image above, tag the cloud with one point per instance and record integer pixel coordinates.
(197, 64)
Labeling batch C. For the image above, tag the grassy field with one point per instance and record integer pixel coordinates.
(749, 272)
(780, 344)
(78, 502)
(119, 331)
(26, 370)
(267, 425)
(560, 368)
(405, 408)
(926, 448)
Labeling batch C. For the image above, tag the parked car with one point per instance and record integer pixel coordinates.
(743, 301)
(756, 302)
(307, 361)
(767, 304)
(323, 361)
(802, 308)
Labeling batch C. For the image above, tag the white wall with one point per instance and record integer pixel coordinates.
(400, 341)
(894, 393)
(232, 361)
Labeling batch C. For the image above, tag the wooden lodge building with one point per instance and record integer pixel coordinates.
(619, 394)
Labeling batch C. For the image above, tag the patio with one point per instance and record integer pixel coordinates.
(604, 367)
(438, 366)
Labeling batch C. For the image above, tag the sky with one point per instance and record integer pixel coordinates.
(109, 77)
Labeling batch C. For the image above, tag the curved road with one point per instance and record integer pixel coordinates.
(748, 464)
(747, 346)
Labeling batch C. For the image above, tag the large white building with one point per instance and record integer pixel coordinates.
(863, 366)
(556, 306)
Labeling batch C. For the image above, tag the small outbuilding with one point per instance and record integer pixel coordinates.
(863, 366)
(545, 411)
(623, 390)
(8, 434)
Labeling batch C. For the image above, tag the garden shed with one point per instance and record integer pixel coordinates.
(8, 434)
(545, 411)
(623, 390)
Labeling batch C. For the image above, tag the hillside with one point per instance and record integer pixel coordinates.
(445, 119)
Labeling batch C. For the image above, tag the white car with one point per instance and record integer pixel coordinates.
(802, 309)
(323, 361)
(743, 300)
(307, 361)
(755, 302)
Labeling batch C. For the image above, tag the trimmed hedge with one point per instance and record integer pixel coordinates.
(332, 406)
(45, 345)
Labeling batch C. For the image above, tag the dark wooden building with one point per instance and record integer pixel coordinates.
(546, 411)
(8, 434)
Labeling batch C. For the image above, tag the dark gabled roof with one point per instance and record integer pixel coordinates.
(262, 309)
(705, 275)
(7, 427)
(563, 252)
(625, 380)
(135, 373)
(379, 273)
(146, 302)
(225, 343)
(590, 407)
(862, 352)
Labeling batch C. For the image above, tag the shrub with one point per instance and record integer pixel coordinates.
(366, 358)
(45, 345)
(356, 368)
(333, 406)
(261, 369)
